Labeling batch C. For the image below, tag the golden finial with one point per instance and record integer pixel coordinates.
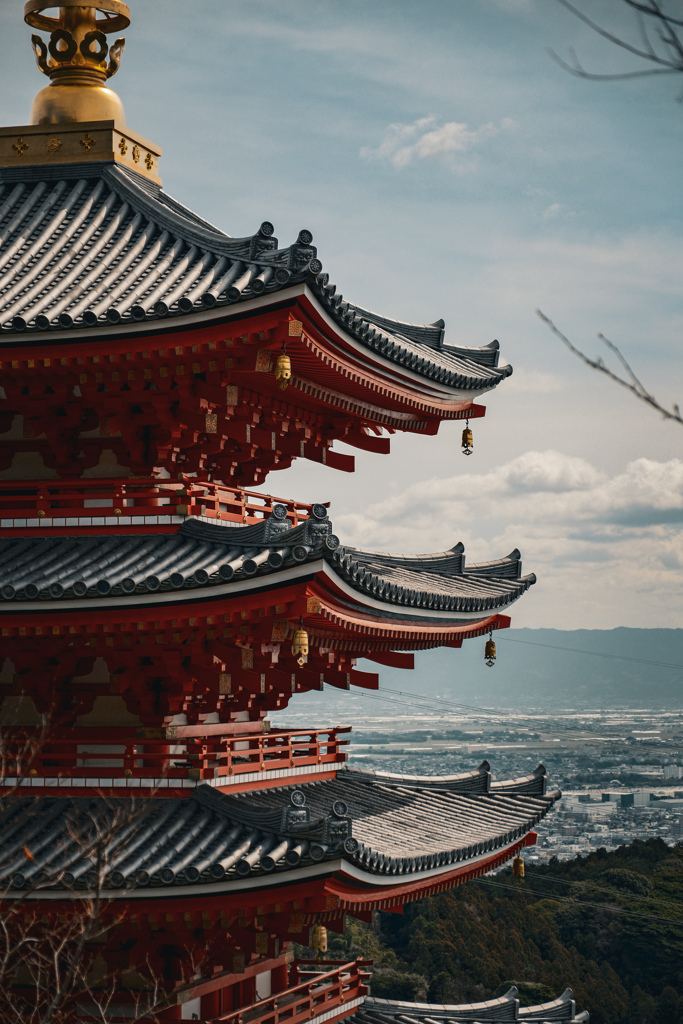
(75, 60)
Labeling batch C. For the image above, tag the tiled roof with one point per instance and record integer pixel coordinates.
(201, 555)
(85, 249)
(504, 1010)
(384, 825)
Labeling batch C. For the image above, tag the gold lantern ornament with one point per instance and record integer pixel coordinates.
(283, 369)
(467, 440)
(319, 940)
(490, 651)
(300, 643)
(518, 868)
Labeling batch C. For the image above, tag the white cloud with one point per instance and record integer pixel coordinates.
(425, 139)
(552, 211)
(607, 550)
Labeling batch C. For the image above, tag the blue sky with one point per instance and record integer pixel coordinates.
(447, 167)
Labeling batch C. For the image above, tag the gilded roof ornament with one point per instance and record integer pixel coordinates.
(78, 60)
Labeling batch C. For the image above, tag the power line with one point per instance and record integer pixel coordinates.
(597, 654)
(426, 707)
(441, 700)
(582, 903)
(599, 888)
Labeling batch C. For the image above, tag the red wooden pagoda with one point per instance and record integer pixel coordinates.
(153, 610)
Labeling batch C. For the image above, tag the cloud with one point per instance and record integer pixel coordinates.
(425, 139)
(607, 550)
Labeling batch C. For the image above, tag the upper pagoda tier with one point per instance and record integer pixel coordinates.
(129, 325)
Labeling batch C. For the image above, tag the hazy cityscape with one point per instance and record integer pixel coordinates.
(620, 772)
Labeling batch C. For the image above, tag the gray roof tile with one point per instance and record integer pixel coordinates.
(504, 1010)
(203, 555)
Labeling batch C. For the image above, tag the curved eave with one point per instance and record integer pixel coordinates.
(96, 253)
(358, 605)
(355, 887)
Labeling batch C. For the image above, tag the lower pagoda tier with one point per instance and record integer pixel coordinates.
(371, 839)
(225, 619)
(208, 891)
(504, 1010)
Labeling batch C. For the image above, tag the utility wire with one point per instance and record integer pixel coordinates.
(599, 888)
(597, 654)
(419, 697)
(441, 700)
(582, 903)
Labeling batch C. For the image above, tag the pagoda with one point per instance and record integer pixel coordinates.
(154, 609)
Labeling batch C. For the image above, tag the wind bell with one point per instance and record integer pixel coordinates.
(319, 940)
(300, 643)
(518, 868)
(490, 651)
(467, 440)
(283, 368)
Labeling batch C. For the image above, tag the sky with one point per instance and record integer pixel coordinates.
(448, 167)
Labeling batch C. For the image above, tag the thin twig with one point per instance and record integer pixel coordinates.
(669, 59)
(633, 385)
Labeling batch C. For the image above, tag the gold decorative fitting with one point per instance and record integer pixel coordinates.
(128, 773)
(467, 440)
(41, 514)
(283, 369)
(123, 147)
(20, 146)
(53, 145)
(136, 154)
(118, 512)
(149, 161)
(88, 142)
(490, 651)
(518, 867)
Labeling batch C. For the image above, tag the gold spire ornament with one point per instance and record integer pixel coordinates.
(467, 440)
(490, 651)
(78, 60)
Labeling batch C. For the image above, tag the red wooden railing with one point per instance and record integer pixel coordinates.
(119, 500)
(121, 752)
(319, 992)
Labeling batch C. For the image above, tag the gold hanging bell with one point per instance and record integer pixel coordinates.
(467, 440)
(283, 369)
(300, 644)
(490, 652)
(518, 868)
(319, 939)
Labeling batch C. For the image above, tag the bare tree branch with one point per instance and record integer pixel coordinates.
(661, 43)
(632, 384)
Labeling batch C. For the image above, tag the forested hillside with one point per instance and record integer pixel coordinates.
(610, 925)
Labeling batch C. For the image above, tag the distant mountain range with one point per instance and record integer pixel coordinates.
(542, 669)
(582, 668)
